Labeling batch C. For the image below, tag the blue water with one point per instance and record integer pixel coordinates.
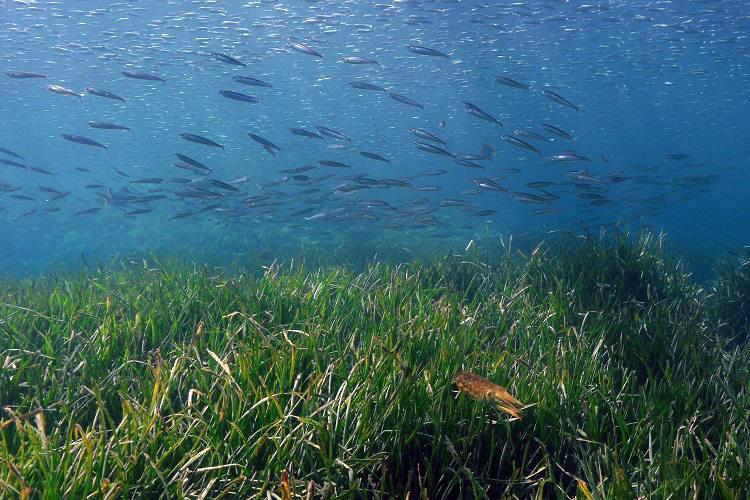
(649, 79)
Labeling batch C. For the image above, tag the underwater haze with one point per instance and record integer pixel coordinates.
(211, 129)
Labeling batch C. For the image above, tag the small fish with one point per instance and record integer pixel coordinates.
(331, 163)
(181, 215)
(405, 100)
(568, 156)
(299, 170)
(424, 134)
(556, 131)
(530, 197)
(520, 143)
(29, 212)
(539, 184)
(512, 83)
(332, 133)
(193, 163)
(583, 176)
(431, 173)
(301, 47)
(429, 148)
(88, 211)
(200, 140)
(476, 111)
(103, 93)
(246, 80)
(107, 126)
(472, 157)
(374, 156)
(484, 213)
(228, 59)
(264, 142)
(367, 86)
(240, 180)
(559, 99)
(148, 180)
(14, 164)
(397, 183)
(488, 184)
(140, 211)
(58, 89)
(40, 170)
(590, 196)
(82, 140)
(224, 185)
(58, 196)
(546, 211)
(358, 60)
(186, 166)
(305, 133)
(142, 76)
(11, 153)
(426, 51)
(531, 135)
(452, 202)
(238, 96)
(468, 163)
(24, 74)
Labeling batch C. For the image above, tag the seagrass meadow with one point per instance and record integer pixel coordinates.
(149, 379)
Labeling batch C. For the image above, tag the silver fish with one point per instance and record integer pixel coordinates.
(520, 143)
(556, 131)
(264, 142)
(476, 111)
(138, 75)
(24, 74)
(358, 60)
(228, 59)
(200, 140)
(426, 51)
(301, 47)
(305, 133)
(559, 99)
(107, 126)
(246, 80)
(58, 89)
(429, 148)
(103, 93)
(374, 156)
(332, 133)
(511, 83)
(424, 134)
(405, 100)
(82, 140)
(238, 96)
(366, 86)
